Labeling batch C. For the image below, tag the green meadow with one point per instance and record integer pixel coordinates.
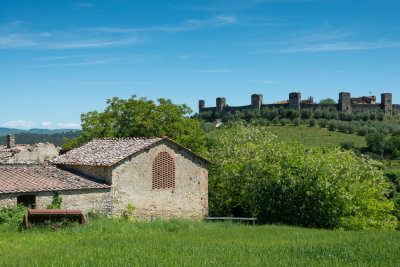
(315, 136)
(182, 243)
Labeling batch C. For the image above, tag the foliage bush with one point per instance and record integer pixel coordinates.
(12, 217)
(56, 202)
(322, 123)
(284, 122)
(332, 125)
(347, 145)
(376, 143)
(142, 118)
(252, 174)
(312, 122)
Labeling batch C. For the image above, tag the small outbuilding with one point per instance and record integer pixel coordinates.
(161, 178)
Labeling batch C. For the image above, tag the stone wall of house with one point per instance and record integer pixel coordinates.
(8, 200)
(97, 172)
(96, 200)
(132, 184)
(29, 153)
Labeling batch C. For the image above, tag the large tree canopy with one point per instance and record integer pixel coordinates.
(141, 118)
(254, 174)
(327, 101)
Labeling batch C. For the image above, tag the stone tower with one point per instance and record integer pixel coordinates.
(256, 101)
(10, 141)
(295, 101)
(221, 102)
(344, 102)
(202, 105)
(386, 103)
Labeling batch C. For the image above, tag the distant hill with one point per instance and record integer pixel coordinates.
(5, 131)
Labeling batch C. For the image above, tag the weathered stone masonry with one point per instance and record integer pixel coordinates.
(345, 103)
(95, 200)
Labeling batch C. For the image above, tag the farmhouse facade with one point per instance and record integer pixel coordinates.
(161, 178)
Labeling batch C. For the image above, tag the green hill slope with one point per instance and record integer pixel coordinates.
(315, 136)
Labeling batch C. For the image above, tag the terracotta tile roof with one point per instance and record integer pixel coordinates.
(281, 102)
(109, 151)
(36, 178)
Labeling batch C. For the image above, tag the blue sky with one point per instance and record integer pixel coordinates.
(59, 59)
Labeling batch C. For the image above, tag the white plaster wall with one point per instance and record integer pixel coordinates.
(132, 184)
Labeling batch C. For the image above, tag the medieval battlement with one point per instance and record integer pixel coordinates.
(345, 103)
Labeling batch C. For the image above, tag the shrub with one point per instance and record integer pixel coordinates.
(380, 116)
(253, 174)
(322, 123)
(264, 122)
(207, 126)
(317, 114)
(362, 131)
(392, 146)
(284, 122)
(227, 116)
(56, 202)
(275, 121)
(332, 125)
(350, 129)
(347, 145)
(12, 217)
(376, 143)
(306, 113)
(127, 215)
(312, 122)
(296, 121)
(342, 126)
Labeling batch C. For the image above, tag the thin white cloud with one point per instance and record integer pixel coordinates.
(187, 25)
(16, 40)
(72, 64)
(116, 83)
(90, 44)
(12, 37)
(187, 56)
(47, 124)
(83, 5)
(20, 124)
(341, 46)
(69, 125)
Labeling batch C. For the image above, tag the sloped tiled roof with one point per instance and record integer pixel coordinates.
(37, 178)
(109, 151)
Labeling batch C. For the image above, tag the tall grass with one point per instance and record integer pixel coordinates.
(176, 243)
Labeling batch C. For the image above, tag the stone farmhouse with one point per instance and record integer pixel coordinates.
(161, 178)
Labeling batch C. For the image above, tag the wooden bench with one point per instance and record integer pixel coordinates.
(41, 215)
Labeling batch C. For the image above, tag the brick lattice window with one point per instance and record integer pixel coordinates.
(163, 171)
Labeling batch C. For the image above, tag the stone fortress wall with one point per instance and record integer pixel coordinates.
(345, 103)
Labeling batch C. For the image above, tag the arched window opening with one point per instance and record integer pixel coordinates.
(163, 171)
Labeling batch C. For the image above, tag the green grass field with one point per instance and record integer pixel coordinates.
(315, 136)
(182, 243)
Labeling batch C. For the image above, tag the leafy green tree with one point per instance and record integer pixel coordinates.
(327, 101)
(376, 143)
(142, 118)
(253, 174)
